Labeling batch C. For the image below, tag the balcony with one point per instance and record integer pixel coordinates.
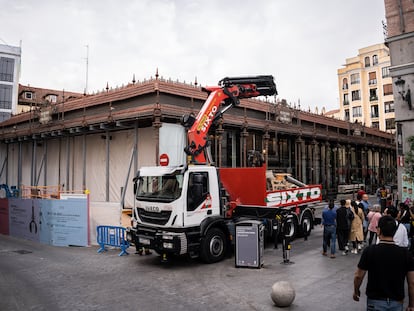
(372, 82)
(346, 102)
(373, 98)
(374, 115)
(345, 87)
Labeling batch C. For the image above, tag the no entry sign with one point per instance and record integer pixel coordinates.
(164, 160)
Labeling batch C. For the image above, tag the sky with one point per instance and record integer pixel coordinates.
(301, 43)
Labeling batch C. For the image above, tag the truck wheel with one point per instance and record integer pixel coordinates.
(291, 228)
(306, 224)
(213, 246)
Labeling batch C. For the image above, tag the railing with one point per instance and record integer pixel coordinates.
(112, 236)
(40, 192)
(373, 98)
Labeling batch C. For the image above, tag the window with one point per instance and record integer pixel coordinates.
(347, 115)
(355, 78)
(389, 106)
(374, 60)
(387, 89)
(373, 94)
(28, 95)
(372, 78)
(346, 99)
(197, 190)
(357, 111)
(5, 96)
(345, 84)
(374, 111)
(51, 98)
(356, 95)
(6, 69)
(390, 124)
(385, 72)
(367, 62)
(375, 125)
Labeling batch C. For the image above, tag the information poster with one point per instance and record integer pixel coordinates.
(4, 216)
(67, 222)
(24, 218)
(407, 189)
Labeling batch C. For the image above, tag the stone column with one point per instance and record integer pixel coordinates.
(316, 162)
(303, 162)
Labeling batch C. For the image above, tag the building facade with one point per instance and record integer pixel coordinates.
(98, 142)
(365, 89)
(10, 60)
(399, 32)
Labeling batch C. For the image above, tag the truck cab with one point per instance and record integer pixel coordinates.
(175, 207)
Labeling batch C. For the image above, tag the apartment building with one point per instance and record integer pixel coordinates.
(9, 80)
(365, 89)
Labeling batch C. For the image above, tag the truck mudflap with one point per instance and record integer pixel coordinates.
(161, 241)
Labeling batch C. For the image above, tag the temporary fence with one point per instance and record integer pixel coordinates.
(112, 236)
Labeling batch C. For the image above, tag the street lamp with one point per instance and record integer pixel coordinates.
(406, 96)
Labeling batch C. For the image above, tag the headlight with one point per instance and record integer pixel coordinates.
(167, 237)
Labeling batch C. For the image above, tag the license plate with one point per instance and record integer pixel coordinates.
(144, 241)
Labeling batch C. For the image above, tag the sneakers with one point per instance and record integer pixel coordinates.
(354, 251)
(324, 254)
(332, 256)
(344, 253)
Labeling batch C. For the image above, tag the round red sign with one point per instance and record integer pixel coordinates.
(164, 160)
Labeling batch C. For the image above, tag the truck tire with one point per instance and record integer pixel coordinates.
(307, 220)
(213, 246)
(290, 229)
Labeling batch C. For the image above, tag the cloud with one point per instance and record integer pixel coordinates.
(302, 43)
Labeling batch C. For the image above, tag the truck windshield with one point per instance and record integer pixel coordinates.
(165, 188)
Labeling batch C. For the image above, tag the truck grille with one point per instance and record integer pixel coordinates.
(154, 217)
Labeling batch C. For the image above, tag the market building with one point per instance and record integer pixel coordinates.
(98, 141)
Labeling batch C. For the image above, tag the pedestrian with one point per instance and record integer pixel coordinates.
(401, 235)
(329, 229)
(385, 286)
(361, 191)
(373, 217)
(383, 198)
(405, 217)
(344, 218)
(364, 204)
(356, 234)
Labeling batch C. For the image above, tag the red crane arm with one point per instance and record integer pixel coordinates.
(230, 91)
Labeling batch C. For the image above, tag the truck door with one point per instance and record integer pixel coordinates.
(198, 199)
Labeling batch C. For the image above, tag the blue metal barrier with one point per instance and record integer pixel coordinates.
(112, 236)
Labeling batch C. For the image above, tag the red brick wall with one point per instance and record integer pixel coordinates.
(392, 13)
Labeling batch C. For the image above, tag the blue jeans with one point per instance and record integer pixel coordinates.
(329, 234)
(384, 305)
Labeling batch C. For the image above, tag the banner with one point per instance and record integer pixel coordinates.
(407, 189)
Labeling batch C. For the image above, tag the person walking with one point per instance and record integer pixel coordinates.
(344, 218)
(373, 217)
(356, 234)
(405, 217)
(385, 286)
(401, 234)
(329, 230)
(383, 194)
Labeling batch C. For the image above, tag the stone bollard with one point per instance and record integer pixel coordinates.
(282, 294)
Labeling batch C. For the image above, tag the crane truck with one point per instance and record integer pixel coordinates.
(192, 209)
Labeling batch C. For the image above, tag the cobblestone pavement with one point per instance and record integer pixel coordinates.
(41, 277)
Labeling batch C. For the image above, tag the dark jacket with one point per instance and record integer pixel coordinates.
(342, 219)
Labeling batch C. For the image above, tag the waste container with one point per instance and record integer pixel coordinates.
(249, 244)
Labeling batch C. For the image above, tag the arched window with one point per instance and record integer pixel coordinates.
(367, 62)
(374, 60)
(345, 84)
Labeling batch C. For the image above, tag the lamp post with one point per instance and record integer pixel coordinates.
(405, 95)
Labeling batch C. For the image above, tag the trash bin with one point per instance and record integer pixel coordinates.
(249, 244)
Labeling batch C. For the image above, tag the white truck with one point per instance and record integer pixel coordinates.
(192, 209)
